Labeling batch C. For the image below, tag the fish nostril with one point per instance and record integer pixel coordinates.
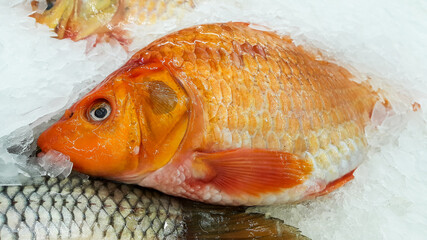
(68, 114)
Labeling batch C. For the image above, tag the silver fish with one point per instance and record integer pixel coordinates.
(76, 208)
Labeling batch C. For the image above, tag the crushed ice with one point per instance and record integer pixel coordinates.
(55, 164)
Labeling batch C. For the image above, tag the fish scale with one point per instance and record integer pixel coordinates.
(81, 209)
(292, 99)
(261, 91)
(76, 208)
(150, 11)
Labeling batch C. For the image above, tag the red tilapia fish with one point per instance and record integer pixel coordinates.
(79, 19)
(221, 113)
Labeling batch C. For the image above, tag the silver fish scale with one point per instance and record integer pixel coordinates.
(74, 208)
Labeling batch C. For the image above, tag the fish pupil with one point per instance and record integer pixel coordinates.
(49, 5)
(101, 112)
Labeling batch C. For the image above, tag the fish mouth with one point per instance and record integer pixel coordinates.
(37, 152)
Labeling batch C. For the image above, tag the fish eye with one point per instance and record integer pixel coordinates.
(50, 4)
(100, 111)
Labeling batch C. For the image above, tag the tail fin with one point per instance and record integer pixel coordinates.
(218, 222)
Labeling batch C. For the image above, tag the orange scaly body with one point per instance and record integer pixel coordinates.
(232, 115)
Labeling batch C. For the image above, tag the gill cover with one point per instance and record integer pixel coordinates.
(147, 121)
(163, 107)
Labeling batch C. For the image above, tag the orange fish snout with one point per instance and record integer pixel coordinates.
(51, 138)
(97, 136)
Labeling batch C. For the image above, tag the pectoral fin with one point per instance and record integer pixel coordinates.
(251, 171)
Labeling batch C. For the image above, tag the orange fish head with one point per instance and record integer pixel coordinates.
(131, 124)
(76, 19)
(100, 132)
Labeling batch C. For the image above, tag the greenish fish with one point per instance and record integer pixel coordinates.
(77, 208)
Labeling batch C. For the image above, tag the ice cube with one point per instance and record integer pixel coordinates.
(378, 114)
(55, 163)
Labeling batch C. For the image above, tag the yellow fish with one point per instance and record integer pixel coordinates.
(79, 19)
(221, 113)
